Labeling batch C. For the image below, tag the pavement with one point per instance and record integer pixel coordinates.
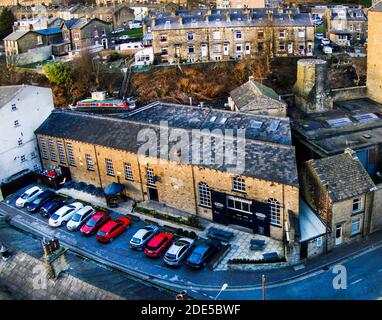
(284, 283)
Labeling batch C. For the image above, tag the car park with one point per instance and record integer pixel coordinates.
(143, 236)
(95, 223)
(201, 253)
(178, 252)
(28, 196)
(38, 202)
(52, 206)
(325, 41)
(80, 217)
(158, 244)
(112, 229)
(64, 214)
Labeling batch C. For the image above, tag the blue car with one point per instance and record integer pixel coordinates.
(51, 207)
(201, 253)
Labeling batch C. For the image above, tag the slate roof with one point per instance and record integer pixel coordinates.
(49, 31)
(7, 93)
(377, 6)
(183, 116)
(344, 174)
(267, 161)
(16, 35)
(353, 14)
(253, 95)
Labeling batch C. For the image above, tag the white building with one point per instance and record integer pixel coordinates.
(144, 57)
(22, 109)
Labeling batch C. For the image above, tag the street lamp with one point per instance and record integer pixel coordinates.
(221, 290)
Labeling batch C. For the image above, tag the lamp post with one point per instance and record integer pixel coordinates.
(221, 290)
(263, 287)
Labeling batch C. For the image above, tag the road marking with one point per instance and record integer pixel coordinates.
(356, 281)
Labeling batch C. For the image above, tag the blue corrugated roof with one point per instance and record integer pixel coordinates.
(47, 32)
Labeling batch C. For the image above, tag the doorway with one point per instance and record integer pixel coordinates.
(338, 235)
(153, 194)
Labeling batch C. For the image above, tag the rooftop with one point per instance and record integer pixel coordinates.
(16, 35)
(310, 224)
(267, 161)
(344, 174)
(7, 93)
(355, 124)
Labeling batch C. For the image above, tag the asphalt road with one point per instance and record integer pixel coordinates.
(363, 271)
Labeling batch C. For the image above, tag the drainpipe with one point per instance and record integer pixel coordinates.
(195, 197)
(99, 173)
(140, 178)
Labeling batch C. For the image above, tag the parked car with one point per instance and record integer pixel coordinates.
(158, 244)
(112, 229)
(28, 196)
(142, 236)
(52, 206)
(39, 201)
(95, 223)
(201, 253)
(327, 49)
(80, 217)
(178, 252)
(64, 214)
(325, 41)
(319, 36)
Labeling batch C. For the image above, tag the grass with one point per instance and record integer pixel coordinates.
(133, 33)
(320, 29)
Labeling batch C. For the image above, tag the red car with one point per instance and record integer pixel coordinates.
(112, 229)
(158, 244)
(95, 223)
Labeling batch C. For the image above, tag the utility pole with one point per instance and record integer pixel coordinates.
(263, 286)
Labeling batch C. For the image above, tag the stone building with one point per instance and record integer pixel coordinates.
(255, 187)
(225, 34)
(312, 93)
(347, 26)
(341, 192)
(256, 98)
(374, 61)
(84, 33)
(221, 4)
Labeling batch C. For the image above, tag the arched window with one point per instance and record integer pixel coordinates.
(275, 211)
(204, 194)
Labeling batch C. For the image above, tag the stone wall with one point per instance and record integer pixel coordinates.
(374, 61)
(376, 221)
(34, 55)
(36, 285)
(344, 94)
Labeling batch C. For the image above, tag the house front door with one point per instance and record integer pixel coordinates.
(338, 235)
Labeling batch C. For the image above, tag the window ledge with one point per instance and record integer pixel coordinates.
(238, 191)
(276, 225)
(354, 213)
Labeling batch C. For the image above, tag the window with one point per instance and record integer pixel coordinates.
(164, 51)
(52, 151)
(190, 36)
(23, 158)
(33, 155)
(150, 176)
(39, 40)
(191, 49)
(282, 47)
(89, 162)
(76, 36)
(247, 48)
(355, 227)
(217, 48)
(216, 35)
(204, 194)
(226, 48)
(163, 37)
(44, 153)
(238, 35)
(319, 242)
(275, 211)
(260, 47)
(109, 167)
(260, 34)
(239, 48)
(16, 123)
(239, 204)
(238, 184)
(61, 153)
(128, 172)
(20, 142)
(282, 33)
(14, 108)
(301, 33)
(72, 160)
(356, 205)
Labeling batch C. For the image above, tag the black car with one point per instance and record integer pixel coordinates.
(42, 198)
(51, 207)
(201, 253)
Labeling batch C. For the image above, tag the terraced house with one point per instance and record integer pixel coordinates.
(224, 34)
(258, 190)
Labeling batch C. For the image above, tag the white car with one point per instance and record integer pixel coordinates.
(325, 41)
(327, 49)
(28, 196)
(125, 37)
(142, 236)
(64, 214)
(319, 36)
(178, 251)
(80, 217)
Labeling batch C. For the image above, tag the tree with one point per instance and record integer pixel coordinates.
(6, 22)
(58, 73)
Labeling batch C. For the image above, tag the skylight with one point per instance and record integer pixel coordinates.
(340, 122)
(274, 125)
(256, 124)
(213, 119)
(366, 117)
